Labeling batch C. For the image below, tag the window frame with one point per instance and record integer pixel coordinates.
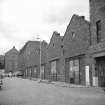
(98, 31)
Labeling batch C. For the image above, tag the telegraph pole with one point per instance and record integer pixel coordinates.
(40, 56)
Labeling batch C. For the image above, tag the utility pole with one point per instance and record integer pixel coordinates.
(40, 56)
(40, 61)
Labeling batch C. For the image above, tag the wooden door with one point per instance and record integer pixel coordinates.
(101, 73)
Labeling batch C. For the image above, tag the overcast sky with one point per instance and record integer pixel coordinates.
(23, 20)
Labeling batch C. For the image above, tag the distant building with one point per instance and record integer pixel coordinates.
(11, 60)
(2, 62)
(30, 61)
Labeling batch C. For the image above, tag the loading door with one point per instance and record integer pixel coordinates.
(53, 70)
(74, 71)
(100, 68)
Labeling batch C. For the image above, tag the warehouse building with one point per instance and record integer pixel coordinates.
(33, 58)
(76, 42)
(55, 58)
(11, 60)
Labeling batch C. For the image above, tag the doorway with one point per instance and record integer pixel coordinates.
(74, 71)
(100, 71)
(54, 70)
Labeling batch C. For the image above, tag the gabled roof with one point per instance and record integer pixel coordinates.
(37, 43)
(54, 48)
(13, 50)
(78, 18)
(29, 42)
(55, 35)
(77, 36)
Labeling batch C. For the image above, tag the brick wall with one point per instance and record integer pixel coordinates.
(55, 53)
(11, 60)
(29, 55)
(76, 42)
(97, 13)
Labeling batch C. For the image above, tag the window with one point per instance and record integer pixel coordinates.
(53, 44)
(35, 70)
(30, 70)
(71, 65)
(98, 31)
(37, 50)
(73, 34)
(42, 69)
(76, 62)
(102, 9)
(61, 46)
(74, 65)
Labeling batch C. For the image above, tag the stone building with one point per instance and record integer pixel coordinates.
(11, 60)
(96, 52)
(55, 58)
(32, 59)
(76, 41)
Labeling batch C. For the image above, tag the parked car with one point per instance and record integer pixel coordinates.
(18, 74)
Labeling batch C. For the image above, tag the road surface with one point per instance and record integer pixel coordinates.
(17, 91)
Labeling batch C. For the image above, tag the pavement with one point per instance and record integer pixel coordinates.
(62, 84)
(18, 91)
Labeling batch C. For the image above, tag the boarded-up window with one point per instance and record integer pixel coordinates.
(53, 67)
(71, 69)
(76, 65)
(74, 70)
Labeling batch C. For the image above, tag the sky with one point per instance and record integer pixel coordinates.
(23, 20)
